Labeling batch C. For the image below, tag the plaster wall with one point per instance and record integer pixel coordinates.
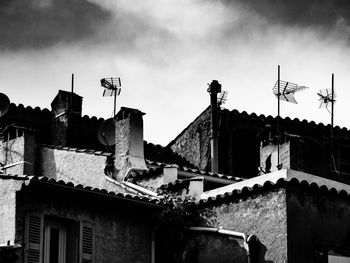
(263, 215)
(8, 190)
(69, 166)
(122, 230)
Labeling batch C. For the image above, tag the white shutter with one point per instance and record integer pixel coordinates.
(34, 238)
(86, 243)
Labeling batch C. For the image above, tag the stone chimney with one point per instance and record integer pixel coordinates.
(129, 142)
(66, 117)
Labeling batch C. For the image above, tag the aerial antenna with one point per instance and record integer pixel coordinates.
(283, 90)
(327, 100)
(112, 87)
(222, 97)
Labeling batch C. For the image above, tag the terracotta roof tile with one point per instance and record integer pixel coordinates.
(268, 185)
(45, 180)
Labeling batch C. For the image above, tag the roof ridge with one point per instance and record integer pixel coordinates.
(246, 190)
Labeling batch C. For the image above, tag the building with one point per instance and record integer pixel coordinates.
(68, 198)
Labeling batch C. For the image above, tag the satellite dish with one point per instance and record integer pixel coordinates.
(106, 132)
(4, 104)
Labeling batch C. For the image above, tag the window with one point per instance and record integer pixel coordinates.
(56, 240)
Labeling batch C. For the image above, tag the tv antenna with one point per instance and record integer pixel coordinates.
(222, 98)
(112, 87)
(283, 90)
(327, 100)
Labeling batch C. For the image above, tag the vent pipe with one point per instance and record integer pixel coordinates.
(213, 89)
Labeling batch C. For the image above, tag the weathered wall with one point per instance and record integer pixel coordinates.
(193, 247)
(263, 215)
(318, 221)
(20, 151)
(194, 143)
(122, 228)
(70, 166)
(8, 190)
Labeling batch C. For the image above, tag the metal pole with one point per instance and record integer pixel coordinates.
(332, 165)
(278, 119)
(115, 97)
(71, 95)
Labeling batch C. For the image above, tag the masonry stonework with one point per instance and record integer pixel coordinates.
(194, 143)
(263, 215)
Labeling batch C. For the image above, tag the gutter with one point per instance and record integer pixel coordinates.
(225, 232)
(136, 187)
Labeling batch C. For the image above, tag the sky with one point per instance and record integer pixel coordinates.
(166, 51)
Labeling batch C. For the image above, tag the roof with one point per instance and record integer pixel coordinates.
(293, 126)
(35, 180)
(157, 169)
(270, 181)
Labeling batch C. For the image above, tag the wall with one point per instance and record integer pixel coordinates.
(263, 215)
(21, 152)
(70, 166)
(8, 190)
(318, 221)
(122, 228)
(194, 142)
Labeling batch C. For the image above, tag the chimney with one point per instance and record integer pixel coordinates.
(214, 89)
(129, 142)
(66, 117)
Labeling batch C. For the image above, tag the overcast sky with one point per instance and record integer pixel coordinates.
(166, 52)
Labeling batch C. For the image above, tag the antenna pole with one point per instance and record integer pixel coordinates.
(278, 119)
(332, 125)
(115, 98)
(71, 94)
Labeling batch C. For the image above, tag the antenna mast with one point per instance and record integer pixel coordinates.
(112, 88)
(327, 97)
(286, 93)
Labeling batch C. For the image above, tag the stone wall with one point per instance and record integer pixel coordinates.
(194, 142)
(263, 215)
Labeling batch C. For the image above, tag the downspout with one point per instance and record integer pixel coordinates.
(225, 232)
(136, 187)
(153, 244)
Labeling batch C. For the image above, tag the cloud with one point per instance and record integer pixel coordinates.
(323, 15)
(35, 24)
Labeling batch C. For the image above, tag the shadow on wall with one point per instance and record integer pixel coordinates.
(46, 164)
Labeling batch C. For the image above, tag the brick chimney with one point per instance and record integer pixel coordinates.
(66, 117)
(129, 151)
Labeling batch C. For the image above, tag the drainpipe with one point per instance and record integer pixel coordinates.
(136, 187)
(214, 89)
(153, 244)
(225, 232)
